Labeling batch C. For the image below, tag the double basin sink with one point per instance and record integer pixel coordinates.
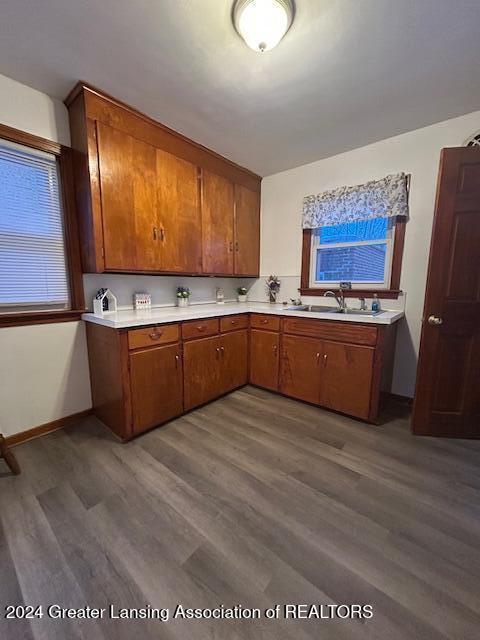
(319, 309)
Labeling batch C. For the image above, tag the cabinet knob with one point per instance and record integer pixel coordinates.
(177, 360)
(435, 321)
(201, 327)
(234, 322)
(318, 357)
(155, 335)
(236, 246)
(275, 349)
(264, 321)
(155, 230)
(325, 358)
(230, 246)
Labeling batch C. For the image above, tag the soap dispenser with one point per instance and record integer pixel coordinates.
(375, 303)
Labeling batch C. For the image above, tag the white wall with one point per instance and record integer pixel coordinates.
(417, 153)
(43, 368)
(162, 288)
(44, 373)
(30, 110)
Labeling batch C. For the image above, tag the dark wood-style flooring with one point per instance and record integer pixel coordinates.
(255, 500)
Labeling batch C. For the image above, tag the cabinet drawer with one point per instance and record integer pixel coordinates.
(330, 330)
(199, 328)
(264, 321)
(151, 336)
(230, 323)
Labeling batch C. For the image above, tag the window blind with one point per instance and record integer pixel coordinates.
(32, 252)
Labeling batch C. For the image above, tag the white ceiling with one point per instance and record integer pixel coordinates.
(349, 72)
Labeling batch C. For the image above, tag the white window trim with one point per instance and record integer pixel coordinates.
(356, 284)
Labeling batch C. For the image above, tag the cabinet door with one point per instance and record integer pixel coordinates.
(300, 368)
(247, 231)
(264, 357)
(234, 360)
(156, 380)
(201, 361)
(347, 378)
(217, 224)
(178, 214)
(128, 193)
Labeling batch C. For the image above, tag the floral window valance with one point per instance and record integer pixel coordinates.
(383, 198)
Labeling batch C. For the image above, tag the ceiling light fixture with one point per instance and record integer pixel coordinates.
(262, 23)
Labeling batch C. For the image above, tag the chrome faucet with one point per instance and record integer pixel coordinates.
(340, 299)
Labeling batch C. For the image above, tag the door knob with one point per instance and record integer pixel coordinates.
(435, 320)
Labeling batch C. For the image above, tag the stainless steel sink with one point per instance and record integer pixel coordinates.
(363, 312)
(348, 312)
(312, 307)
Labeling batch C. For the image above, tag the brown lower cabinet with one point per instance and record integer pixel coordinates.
(345, 373)
(234, 360)
(332, 374)
(213, 366)
(346, 378)
(300, 372)
(264, 358)
(156, 380)
(144, 377)
(201, 360)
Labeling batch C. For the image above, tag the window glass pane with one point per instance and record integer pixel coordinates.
(32, 253)
(359, 231)
(361, 263)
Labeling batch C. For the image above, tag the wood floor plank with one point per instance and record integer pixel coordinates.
(254, 499)
(331, 537)
(102, 580)
(10, 594)
(43, 574)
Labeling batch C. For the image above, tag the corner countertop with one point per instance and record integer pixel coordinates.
(161, 315)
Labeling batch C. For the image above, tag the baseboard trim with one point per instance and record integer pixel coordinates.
(43, 429)
(397, 397)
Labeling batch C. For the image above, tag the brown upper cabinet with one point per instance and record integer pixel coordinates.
(128, 198)
(150, 200)
(218, 206)
(230, 227)
(247, 231)
(178, 214)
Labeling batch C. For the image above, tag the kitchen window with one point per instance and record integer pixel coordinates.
(355, 234)
(359, 252)
(38, 267)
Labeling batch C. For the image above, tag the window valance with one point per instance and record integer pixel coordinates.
(383, 198)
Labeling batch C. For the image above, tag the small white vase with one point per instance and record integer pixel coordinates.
(182, 302)
(242, 298)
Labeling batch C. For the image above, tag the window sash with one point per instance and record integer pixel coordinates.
(32, 232)
(316, 246)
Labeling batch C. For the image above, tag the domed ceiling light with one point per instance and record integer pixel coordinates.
(262, 23)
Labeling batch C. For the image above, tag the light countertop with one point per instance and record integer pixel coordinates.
(161, 315)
